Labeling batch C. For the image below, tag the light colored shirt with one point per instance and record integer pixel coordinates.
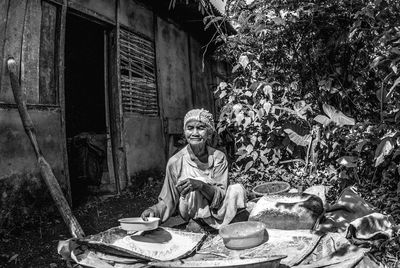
(185, 165)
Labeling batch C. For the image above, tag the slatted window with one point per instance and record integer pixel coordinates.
(138, 79)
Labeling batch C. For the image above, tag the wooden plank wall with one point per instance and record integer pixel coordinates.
(173, 69)
(202, 82)
(137, 17)
(28, 32)
(101, 9)
(12, 44)
(29, 35)
(30, 51)
(47, 79)
(3, 24)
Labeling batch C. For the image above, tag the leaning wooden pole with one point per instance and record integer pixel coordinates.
(45, 169)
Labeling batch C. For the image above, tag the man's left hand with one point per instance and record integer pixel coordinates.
(188, 185)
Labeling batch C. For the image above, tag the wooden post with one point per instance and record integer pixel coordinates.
(116, 112)
(61, 93)
(45, 169)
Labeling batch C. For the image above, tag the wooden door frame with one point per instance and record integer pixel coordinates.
(116, 112)
(61, 94)
(113, 96)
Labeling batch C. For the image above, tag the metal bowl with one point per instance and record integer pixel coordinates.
(138, 224)
(243, 235)
(273, 187)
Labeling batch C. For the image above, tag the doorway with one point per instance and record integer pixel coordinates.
(86, 108)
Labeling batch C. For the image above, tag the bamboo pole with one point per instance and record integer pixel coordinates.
(45, 169)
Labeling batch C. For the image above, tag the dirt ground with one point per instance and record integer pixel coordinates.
(36, 246)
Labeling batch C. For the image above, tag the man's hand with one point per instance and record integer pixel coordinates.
(189, 185)
(147, 213)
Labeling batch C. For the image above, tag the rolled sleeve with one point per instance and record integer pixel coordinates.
(169, 196)
(220, 178)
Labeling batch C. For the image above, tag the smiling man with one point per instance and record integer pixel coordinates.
(196, 179)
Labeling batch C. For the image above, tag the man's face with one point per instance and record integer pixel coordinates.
(196, 133)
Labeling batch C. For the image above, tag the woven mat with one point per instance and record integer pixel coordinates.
(296, 244)
(162, 244)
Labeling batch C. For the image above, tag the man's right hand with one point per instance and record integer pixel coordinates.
(147, 213)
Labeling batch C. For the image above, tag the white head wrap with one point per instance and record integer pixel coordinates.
(200, 115)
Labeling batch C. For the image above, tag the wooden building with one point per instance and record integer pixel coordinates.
(124, 71)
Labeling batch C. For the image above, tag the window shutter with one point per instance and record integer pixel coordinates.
(138, 79)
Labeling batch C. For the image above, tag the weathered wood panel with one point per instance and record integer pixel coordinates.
(144, 143)
(201, 79)
(20, 179)
(12, 45)
(102, 9)
(47, 78)
(30, 51)
(173, 69)
(3, 24)
(16, 152)
(137, 17)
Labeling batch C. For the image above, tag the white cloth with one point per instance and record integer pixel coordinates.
(194, 205)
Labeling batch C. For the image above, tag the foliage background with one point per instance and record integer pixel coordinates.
(312, 96)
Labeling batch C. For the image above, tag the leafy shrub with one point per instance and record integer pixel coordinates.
(312, 93)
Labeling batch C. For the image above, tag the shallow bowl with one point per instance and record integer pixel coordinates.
(273, 187)
(138, 224)
(243, 235)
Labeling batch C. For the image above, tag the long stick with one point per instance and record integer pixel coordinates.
(45, 169)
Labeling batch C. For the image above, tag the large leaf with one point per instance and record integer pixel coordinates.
(264, 159)
(391, 90)
(268, 92)
(378, 94)
(301, 109)
(241, 151)
(298, 139)
(244, 61)
(248, 165)
(236, 108)
(222, 94)
(247, 121)
(235, 68)
(322, 119)
(376, 61)
(384, 148)
(337, 116)
(347, 161)
(222, 86)
(239, 118)
(267, 107)
(298, 128)
(249, 148)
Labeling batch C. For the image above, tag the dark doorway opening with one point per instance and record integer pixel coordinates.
(86, 106)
